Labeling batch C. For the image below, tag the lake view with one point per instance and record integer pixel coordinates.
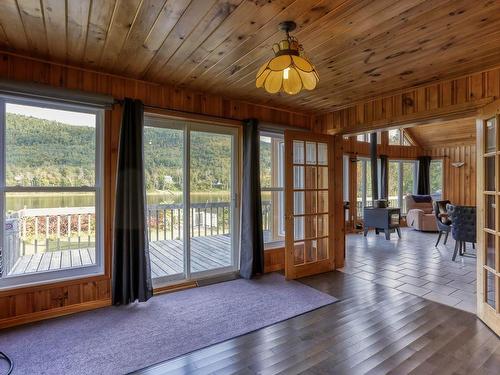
(18, 201)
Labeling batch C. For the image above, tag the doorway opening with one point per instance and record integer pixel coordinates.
(413, 263)
(191, 182)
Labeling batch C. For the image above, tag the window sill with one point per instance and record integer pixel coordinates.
(274, 245)
(11, 283)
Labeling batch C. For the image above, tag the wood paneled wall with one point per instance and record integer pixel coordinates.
(354, 147)
(459, 184)
(437, 102)
(28, 304)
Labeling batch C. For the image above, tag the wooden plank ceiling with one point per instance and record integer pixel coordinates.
(462, 131)
(360, 47)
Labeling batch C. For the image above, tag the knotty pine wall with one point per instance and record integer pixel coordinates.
(459, 183)
(426, 104)
(22, 305)
(435, 102)
(353, 147)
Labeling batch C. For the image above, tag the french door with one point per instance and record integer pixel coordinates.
(488, 217)
(310, 203)
(191, 182)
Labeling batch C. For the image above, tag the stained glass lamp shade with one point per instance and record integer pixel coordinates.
(288, 71)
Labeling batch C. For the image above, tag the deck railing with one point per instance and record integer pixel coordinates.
(165, 221)
(51, 229)
(32, 231)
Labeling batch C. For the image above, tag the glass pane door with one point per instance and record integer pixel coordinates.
(308, 204)
(211, 203)
(164, 180)
(190, 170)
(488, 277)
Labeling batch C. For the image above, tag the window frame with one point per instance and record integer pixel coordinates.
(276, 189)
(403, 139)
(188, 126)
(365, 178)
(51, 276)
(365, 137)
(400, 163)
(440, 161)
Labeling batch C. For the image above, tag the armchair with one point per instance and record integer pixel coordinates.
(420, 214)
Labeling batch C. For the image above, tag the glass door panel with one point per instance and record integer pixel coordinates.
(308, 192)
(488, 271)
(211, 204)
(190, 170)
(164, 180)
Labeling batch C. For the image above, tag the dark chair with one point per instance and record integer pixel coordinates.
(442, 220)
(463, 227)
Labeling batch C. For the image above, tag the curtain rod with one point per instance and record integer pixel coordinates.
(120, 102)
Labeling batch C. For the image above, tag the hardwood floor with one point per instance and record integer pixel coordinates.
(413, 264)
(373, 329)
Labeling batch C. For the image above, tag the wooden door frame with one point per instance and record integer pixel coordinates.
(336, 222)
(484, 311)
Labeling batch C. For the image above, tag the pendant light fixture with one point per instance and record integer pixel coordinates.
(289, 70)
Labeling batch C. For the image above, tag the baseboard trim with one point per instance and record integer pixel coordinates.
(53, 313)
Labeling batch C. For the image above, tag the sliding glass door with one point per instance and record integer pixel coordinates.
(211, 201)
(190, 172)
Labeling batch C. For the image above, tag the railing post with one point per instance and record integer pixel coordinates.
(89, 229)
(179, 222)
(47, 232)
(217, 209)
(192, 221)
(157, 215)
(171, 224)
(79, 229)
(223, 219)
(24, 234)
(164, 223)
(205, 220)
(69, 231)
(36, 234)
(58, 232)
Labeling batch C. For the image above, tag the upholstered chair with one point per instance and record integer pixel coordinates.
(419, 213)
(463, 228)
(443, 222)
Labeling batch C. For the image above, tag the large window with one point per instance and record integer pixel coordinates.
(402, 181)
(398, 137)
(272, 158)
(364, 189)
(436, 177)
(50, 191)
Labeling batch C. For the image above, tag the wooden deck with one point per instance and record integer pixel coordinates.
(207, 253)
(53, 260)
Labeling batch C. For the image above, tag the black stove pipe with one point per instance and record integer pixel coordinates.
(373, 156)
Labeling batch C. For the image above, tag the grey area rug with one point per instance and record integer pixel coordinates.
(118, 340)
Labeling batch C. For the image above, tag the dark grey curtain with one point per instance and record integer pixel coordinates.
(424, 181)
(252, 241)
(131, 269)
(384, 177)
